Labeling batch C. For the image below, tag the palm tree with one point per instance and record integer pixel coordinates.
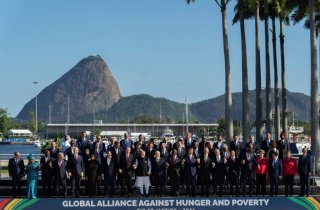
(301, 11)
(228, 97)
(255, 5)
(273, 15)
(268, 76)
(240, 9)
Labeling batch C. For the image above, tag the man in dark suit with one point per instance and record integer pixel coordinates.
(205, 167)
(190, 172)
(236, 145)
(109, 170)
(125, 171)
(188, 140)
(54, 151)
(174, 170)
(61, 174)
(83, 142)
(181, 151)
(282, 145)
(117, 151)
(233, 172)
(150, 151)
(158, 170)
(76, 168)
(136, 149)
(126, 141)
(304, 170)
(219, 171)
(168, 144)
(219, 142)
(16, 172)
(46, 163)
(102, 146)
(275, 173)
(265, 145)
(247, 163)
(203, 144)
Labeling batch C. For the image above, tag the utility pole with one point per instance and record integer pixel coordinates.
(36, 127)
(187, 115)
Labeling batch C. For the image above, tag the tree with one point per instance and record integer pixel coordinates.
(255, 5)
(228, 97)
(4, 120)
(273, 14)
(240, 9)
(268, 71)
(301, 11)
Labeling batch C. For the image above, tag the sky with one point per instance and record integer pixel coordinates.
(165, 48)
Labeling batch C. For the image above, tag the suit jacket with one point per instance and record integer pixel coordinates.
(166, 155)
(265, 146)
(202, 145)
(126, 166)
(116, 154)
(236, 147)
(124, 145)
(187, 144)
(216, 144)
(304, 165)
(249, 164)
(76, 167)
(168, 146)
(183, 153)
(109, 170)
(282, 146)
(220, 168)
(275, 168)
(174, 166)
(102, 146)
(158, 168)
(54, 152)
(16, 170)
(150, 153)
(190, 166)
(233, 168)
(83, 144)
(205, 166)
(47, 171)
(60, 171)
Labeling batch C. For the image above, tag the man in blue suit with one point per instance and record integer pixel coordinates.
(76, 167)
(275, 173)
(126, 141)
(190, 172)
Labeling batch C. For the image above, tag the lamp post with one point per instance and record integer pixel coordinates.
(36, 128)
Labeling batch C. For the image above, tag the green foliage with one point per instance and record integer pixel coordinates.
(5, 121)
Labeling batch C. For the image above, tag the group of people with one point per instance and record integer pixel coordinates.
(183, 164)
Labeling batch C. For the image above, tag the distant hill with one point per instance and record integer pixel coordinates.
(131, 108)
(94, 94)
(89, 85)
(213, 109)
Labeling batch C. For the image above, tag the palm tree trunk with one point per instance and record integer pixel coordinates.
(315, 144)
(245, 89)
(259, 128)
(268, 75)
(276, 89)
(228, 97)
(284, 121)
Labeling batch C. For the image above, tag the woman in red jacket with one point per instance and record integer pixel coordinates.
(289, 170)
(261, 170)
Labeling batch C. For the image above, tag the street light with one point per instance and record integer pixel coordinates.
(36, 128)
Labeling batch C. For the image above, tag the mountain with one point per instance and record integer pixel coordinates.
(137, 108)
(94, 94)
(213, 109)
(89, 85)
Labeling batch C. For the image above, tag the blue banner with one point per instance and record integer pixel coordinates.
(292, 203)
